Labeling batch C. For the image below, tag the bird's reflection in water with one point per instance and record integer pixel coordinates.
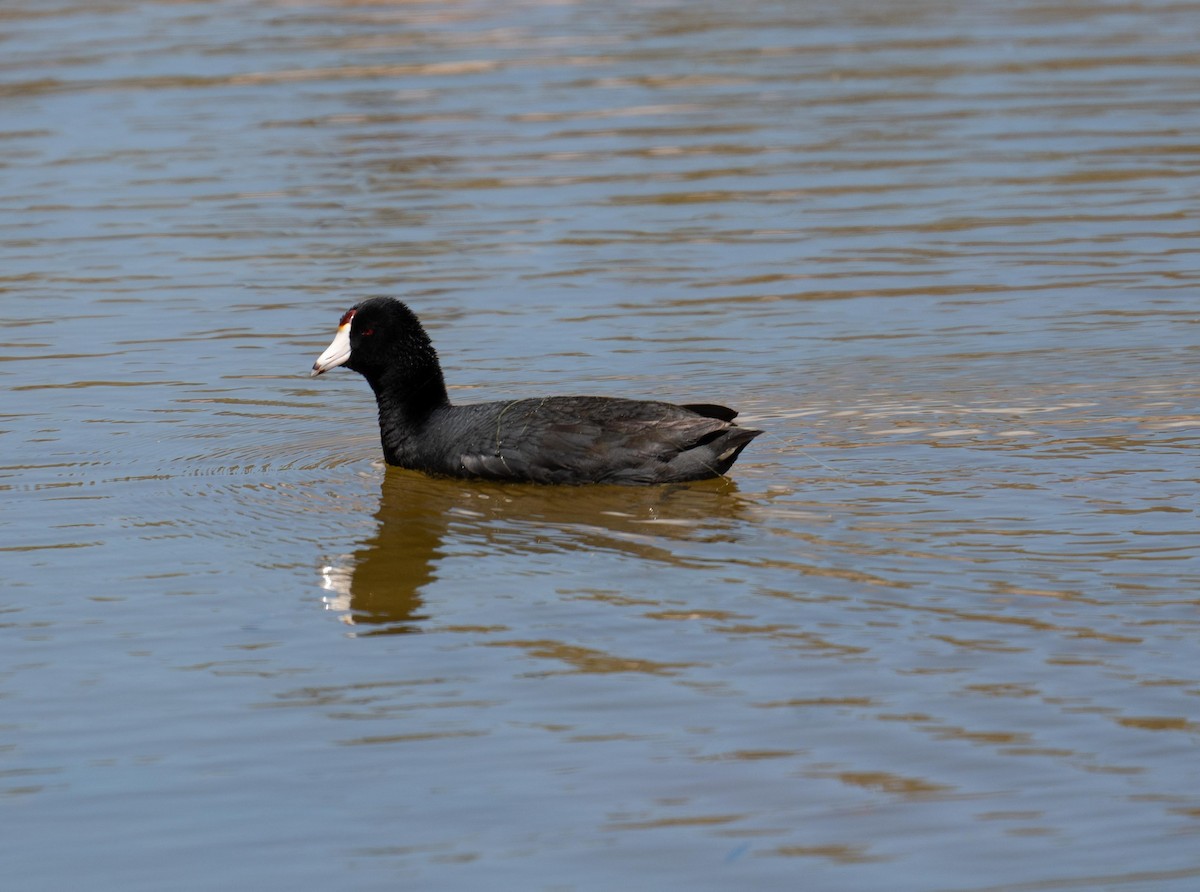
(381, 585)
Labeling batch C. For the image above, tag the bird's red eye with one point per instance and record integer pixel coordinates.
(367, 333)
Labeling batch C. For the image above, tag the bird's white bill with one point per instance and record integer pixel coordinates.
(336, 354)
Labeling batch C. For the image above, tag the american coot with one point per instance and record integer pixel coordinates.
(558, 439)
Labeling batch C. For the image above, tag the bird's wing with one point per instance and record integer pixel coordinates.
(556, 441)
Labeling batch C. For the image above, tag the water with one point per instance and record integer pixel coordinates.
(938, 630)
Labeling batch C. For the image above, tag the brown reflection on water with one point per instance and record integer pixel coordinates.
(675, 821)
(838, 853)
(382, 583)
(590, 660)
(886, 782)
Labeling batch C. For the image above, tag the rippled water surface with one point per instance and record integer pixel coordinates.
(939, 630)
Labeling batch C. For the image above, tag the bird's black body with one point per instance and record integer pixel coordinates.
(562, 439)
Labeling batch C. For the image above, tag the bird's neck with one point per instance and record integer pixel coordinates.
(406, 402)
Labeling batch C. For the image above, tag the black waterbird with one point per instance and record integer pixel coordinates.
(557, 439)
